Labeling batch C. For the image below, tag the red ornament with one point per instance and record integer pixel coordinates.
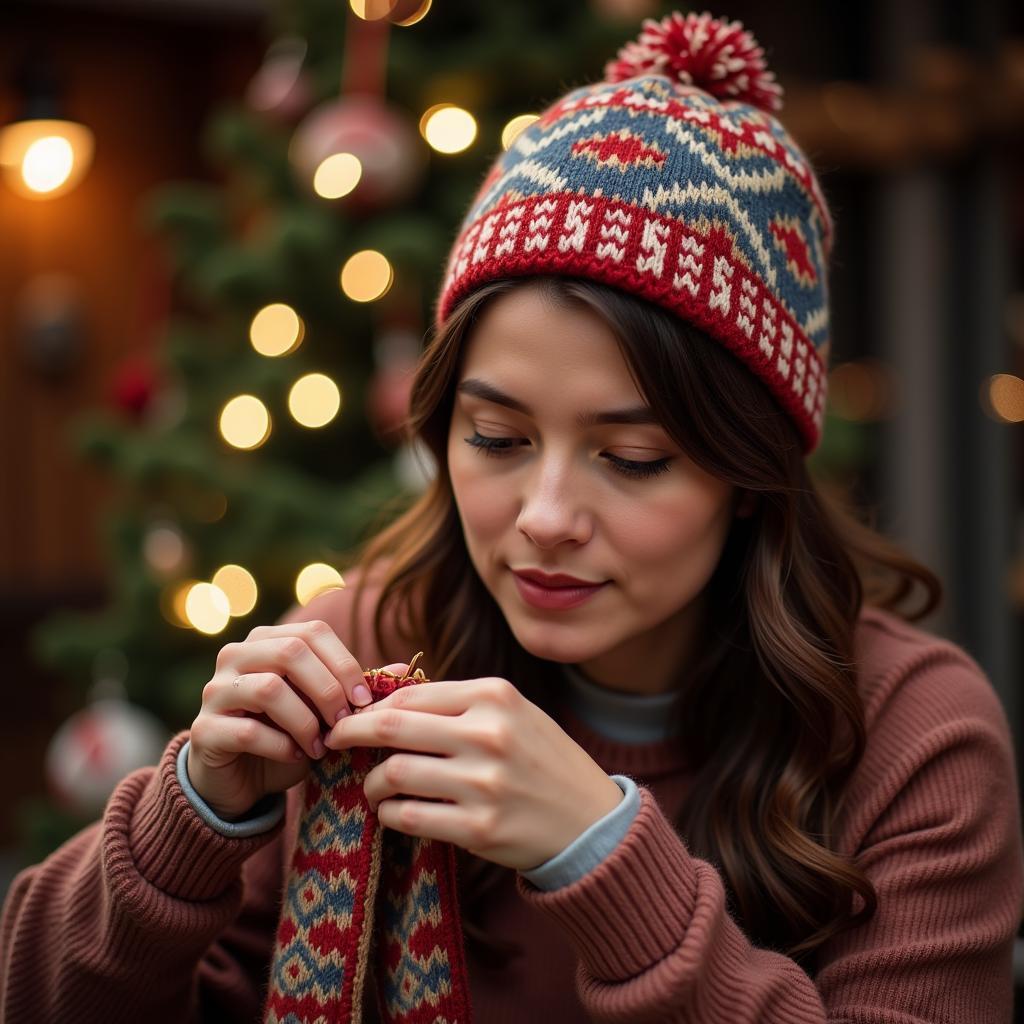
(133, 388)
(720, 57)
(378, 133)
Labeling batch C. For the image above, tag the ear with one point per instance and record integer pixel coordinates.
(746, 505)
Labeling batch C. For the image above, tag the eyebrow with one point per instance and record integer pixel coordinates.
(488, 392)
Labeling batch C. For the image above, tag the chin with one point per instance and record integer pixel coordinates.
(566, 645)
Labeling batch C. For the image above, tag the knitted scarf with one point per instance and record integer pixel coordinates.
(370, 924)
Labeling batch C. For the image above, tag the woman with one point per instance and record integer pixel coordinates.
(714, 776)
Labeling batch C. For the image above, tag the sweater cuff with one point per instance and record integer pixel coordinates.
(263, 816)
(174, 849)
(634, 908)
(590, 847)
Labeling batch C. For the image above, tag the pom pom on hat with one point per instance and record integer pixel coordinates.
(715, 55)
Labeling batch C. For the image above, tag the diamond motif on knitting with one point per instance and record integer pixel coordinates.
(622, 150)
(789, 240)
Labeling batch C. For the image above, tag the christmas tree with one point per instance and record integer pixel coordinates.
(264, 444)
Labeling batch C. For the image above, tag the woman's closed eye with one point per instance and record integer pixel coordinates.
(503, 446)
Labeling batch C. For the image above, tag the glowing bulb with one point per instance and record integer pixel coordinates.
(514, 127)
(238, 585)
(417, 16)
(43, 159)
(337, 175)
(314, 579)
(1006, 397)
(314, 400)
(207, 608)
(448, 128)
(366, 276)
(245, 422)
(276, 330)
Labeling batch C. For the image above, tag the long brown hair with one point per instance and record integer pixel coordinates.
(770, 717)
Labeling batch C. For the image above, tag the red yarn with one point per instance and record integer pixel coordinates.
(718, 56)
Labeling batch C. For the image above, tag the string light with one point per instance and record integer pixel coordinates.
(314, 400)
(239, 586)
(337, 175)
(1003, 397)
(448, 128)
(514, 127)
(315, 579)
(207, 608)
(245, 422)
(43, 159)
(366, 276)
(276, 330)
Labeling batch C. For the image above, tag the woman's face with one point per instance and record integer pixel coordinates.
(555, 500)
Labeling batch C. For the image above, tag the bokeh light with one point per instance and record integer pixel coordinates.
(514, 127)
(448, 128)
(314, 579)
(245, 422)
(366, 276)
(276, 330)
(337, 175)
(207, 608)
(314, 400)
(239, 586)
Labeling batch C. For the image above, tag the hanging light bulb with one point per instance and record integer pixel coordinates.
(43, 154)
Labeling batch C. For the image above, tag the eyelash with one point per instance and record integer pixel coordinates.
(500, 446)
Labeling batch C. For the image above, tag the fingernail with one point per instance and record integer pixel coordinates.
(361, 694)
(318, 747)
(343, 713)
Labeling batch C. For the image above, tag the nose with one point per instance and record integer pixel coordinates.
(553, 507)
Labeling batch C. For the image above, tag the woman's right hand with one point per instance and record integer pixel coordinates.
(272, 698)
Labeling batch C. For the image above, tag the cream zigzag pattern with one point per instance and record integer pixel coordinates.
(714, 194)
(529, 146)
(531, 170)
(815, 321)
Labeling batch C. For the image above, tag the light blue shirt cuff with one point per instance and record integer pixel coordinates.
(591, 847)
(268, 811)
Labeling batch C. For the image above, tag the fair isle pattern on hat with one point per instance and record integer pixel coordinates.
(701, 204)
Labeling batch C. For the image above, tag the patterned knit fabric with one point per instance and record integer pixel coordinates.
(672, 180)
(370, 924)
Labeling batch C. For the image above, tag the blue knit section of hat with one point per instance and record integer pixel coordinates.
(686, 170)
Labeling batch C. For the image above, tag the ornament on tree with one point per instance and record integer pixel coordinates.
(719, 57)
(101, 744)
(133, 387)
(281, 87)
(165, 550)
(377, 134)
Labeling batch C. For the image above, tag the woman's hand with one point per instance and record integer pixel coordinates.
(265, 710)
(514, 788)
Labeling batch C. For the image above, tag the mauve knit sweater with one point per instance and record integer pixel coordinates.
(151, 915)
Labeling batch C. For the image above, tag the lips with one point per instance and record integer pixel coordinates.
(555, 581)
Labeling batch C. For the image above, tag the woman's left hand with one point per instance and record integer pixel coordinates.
(516, 790)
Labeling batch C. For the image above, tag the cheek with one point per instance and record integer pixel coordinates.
(672, 546)
(483, 503)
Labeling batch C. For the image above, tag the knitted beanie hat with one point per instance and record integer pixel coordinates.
(672, 180)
